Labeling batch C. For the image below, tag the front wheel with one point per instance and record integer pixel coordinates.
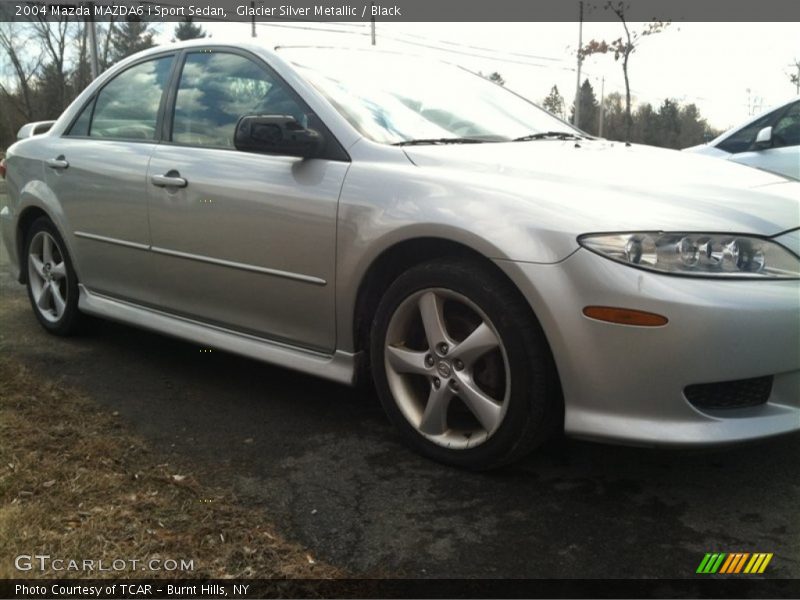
(462, 366)
(52, 283)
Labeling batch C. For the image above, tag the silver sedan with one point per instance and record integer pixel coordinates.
(499, 275)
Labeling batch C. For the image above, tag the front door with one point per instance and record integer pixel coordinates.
(245, 241)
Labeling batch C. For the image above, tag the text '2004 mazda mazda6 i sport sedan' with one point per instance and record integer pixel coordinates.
(499, 274)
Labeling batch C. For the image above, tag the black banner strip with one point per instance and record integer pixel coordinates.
(398, 10)
(699, 587)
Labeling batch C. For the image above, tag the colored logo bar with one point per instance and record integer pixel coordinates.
(734, 563)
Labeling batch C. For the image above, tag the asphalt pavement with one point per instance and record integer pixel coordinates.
(322, 460)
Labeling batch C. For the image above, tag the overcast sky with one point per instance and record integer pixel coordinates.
(711, 64)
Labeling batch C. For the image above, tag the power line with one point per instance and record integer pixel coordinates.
(428, 39)
(418, 44)
(481, 48)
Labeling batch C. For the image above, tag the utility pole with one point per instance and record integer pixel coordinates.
(577, 113)
(602, 106)
(94, 65)
(372, 20)
(253, 23)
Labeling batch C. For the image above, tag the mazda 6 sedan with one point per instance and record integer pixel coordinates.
(351, 214)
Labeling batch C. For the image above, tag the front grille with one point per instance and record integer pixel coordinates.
(730, 394)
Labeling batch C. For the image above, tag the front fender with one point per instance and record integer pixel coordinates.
(384, 204)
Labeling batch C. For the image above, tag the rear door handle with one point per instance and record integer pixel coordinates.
(168, 181)
(57, 163)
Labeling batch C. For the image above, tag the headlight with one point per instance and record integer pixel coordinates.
(697, 254)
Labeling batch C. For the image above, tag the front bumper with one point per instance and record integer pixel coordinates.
(626, 383)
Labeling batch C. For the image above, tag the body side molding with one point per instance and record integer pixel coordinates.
(339, 367)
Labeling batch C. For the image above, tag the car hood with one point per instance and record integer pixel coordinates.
(593, 186)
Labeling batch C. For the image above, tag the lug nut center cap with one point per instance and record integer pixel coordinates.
(444, 369)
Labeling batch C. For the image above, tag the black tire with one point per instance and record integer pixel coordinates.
(70, 320)
(535, 408)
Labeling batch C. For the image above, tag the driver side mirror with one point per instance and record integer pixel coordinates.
(764, 138)
(276, 134)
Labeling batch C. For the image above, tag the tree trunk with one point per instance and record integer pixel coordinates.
(22, 80)
(628, 118)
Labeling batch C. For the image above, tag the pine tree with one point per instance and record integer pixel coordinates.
(186, 30)
(494, 76)
(130, 37)
(589, 109)
(554, 102)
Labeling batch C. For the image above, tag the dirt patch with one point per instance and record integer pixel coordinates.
(75, 485)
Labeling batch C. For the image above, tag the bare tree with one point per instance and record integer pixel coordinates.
(622, 48)
(81, 75)
(14, 35)
(54, 37)
(107, 33)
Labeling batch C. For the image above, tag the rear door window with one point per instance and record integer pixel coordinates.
(127, 107)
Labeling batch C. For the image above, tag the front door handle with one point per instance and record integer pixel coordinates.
(57, 163)
(171, 179)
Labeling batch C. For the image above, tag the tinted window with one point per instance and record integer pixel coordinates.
(216, 89)
(786, 131)
(127, 107)
(743, 140)
(81, 125)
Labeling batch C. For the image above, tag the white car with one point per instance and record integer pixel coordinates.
(770, 141)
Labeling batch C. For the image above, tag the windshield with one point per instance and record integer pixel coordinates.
(394, 99)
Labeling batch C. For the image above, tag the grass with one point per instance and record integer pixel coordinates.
(75, 484)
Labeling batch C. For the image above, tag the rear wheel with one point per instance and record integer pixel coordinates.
(52, 284)
(462, 367)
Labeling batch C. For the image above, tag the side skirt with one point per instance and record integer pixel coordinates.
(339, 367)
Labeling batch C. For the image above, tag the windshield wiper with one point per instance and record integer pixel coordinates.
(549, 135)
(438, 141)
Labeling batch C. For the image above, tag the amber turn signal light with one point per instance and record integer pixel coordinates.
(625, 316)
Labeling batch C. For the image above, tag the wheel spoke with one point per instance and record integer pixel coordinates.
(58, 301)
(44, 295)
(47, 248)
(434, 419)
(59, 271)
(431, 309)
(476, 344)
(403, 360)
(37, 264)
(485, 409)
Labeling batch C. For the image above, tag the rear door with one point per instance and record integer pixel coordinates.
(98, 172)
(243, 240)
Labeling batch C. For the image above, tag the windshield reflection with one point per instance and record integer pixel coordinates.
(390, 98)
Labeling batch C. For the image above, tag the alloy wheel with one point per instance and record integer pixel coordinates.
(447, 368)
(47, 276)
